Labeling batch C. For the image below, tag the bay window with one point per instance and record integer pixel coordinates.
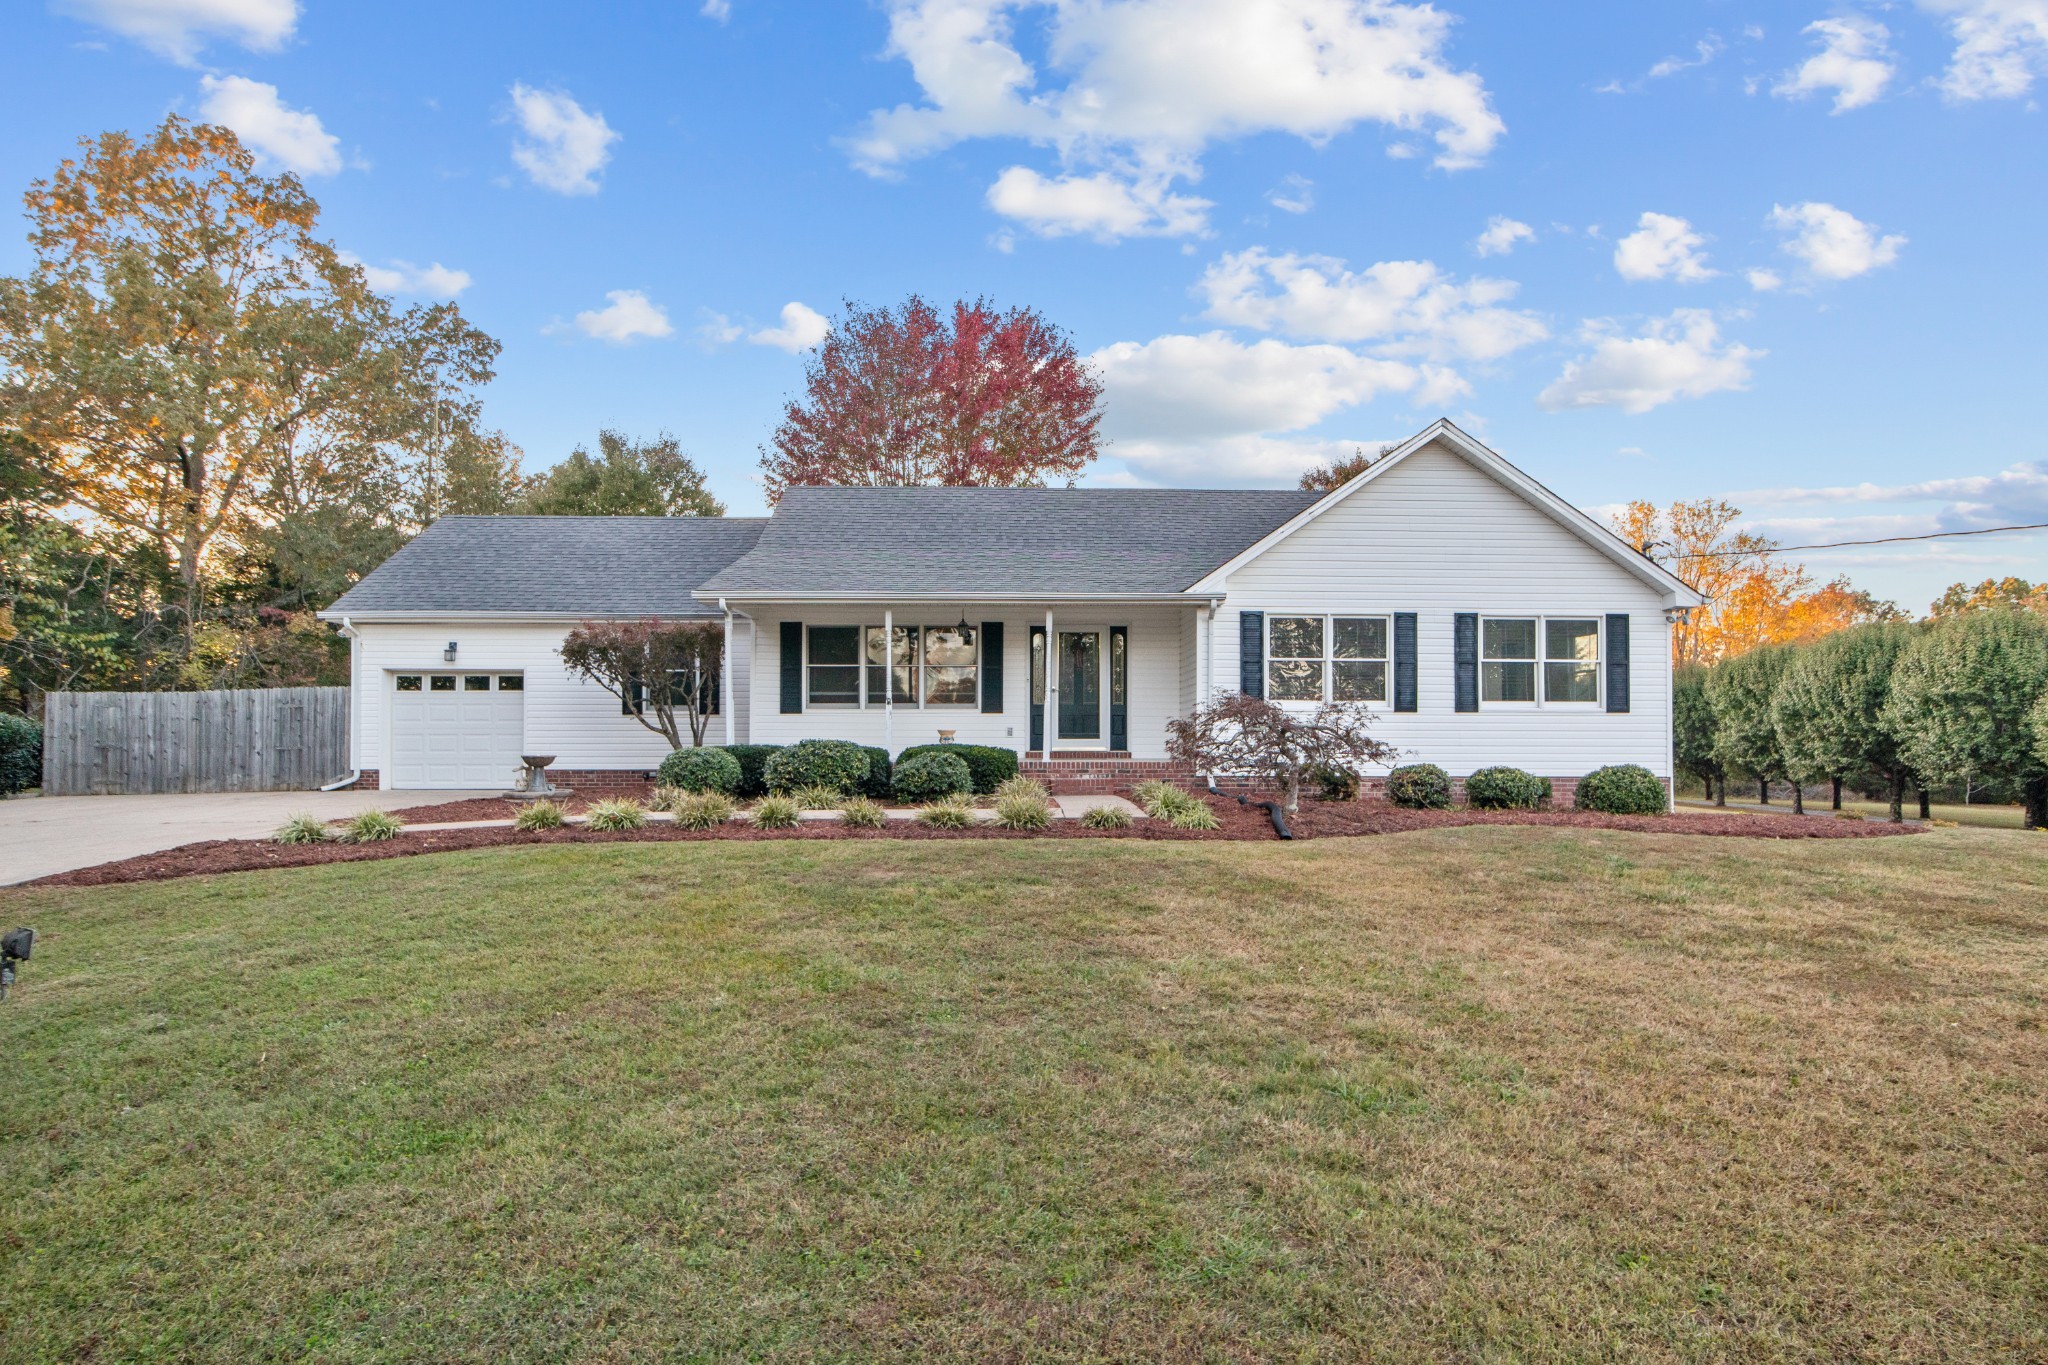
(1326, 658)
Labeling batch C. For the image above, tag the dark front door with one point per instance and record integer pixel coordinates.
(1080, 684)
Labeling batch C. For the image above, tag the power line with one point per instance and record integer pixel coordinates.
(1847, 544)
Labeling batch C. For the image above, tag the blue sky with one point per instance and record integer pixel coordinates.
(1785, 253)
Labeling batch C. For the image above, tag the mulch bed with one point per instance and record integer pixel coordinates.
(481, 808)
(1241, 823)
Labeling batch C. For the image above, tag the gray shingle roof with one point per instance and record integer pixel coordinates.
(597, 566)
(1002, 540)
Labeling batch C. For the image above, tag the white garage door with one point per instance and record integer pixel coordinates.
(453, 730)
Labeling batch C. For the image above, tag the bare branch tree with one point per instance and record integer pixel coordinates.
(1249, 735)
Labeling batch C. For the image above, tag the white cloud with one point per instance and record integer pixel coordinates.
(565, 145)
(1294, 194)
(1406, 308)
(1501, 235)
(2016, 495)
(1662, 248)
(1704, 51)
(1682, 356)
(1100, 205)
(718, 330)
(802, 328)
(179, 29)
(721, 10)
(434, 281)
(630, 316)
(2001, 46)
(1832, 242)
(1137, 89)
(292, 138)
(1762, 280)
(1854, 61)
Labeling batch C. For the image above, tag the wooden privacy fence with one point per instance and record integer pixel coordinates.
(275, 739)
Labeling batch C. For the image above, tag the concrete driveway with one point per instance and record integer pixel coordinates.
(42, 835)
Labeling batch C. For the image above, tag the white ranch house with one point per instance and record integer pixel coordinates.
(1485, 621)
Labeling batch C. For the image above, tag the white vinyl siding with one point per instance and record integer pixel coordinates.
(1438, 537)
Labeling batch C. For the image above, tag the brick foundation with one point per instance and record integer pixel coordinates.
(604, 782)
(367, 780)
(1087, 774)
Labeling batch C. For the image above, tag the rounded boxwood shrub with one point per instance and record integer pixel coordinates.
(987, 765)
(836, 763)
(1505, 789)
(701, 770)
(1335, 784)
(1622, 789)
(21, 754)
(932, 776)
(1420, 786)
(753, 761)
(875, 786)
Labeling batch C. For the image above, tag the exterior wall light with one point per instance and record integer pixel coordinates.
(448, 654)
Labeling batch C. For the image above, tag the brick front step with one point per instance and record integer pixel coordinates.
(1082, 774)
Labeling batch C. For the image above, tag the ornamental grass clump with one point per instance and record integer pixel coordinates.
(370, 827)
(1419, 786)
(701, 770)
(776, 812)
(951, 812)
(1106, 817)
(301, 829)
(610, 817)
(1505, 789)
(538, 816)
(703, 810)
(1163, 800)
(817, 798)
(862, 813)
(1023, 786)
(1023, 810)
(1194, 815)
(1622, 789)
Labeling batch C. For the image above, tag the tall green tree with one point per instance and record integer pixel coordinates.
(1829, 709)
(1963, 699)
(1740, 691)
(1692, 732)
(186, 346)
(627, 478)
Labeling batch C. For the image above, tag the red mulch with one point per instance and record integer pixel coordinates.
(1239, 822)
(480, 808)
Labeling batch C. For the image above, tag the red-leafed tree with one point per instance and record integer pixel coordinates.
(904, 396)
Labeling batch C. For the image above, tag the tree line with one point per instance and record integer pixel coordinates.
(1961, 698)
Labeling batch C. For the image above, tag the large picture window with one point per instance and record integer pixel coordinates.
(1326, 658)
(1563, 652)
(920, 666)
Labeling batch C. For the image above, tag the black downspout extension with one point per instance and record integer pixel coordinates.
(1271, 808)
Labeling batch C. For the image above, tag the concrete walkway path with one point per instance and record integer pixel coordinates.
(44, 835)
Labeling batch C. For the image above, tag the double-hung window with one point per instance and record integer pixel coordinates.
(866, 666)
(1326, 658)
(1561, 652)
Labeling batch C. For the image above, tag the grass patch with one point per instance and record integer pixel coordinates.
(1484, 1092)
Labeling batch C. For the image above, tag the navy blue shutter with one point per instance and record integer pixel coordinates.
(1404, 661)
(991, 667)
(1119, 709)
(1251, 653)
(1617, 661)
(1465, 648)
(1037, 659)
(635, 700)
(792, 668)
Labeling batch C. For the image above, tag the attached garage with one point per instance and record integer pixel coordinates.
(456, 730)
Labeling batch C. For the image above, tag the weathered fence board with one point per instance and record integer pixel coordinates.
(276, 739)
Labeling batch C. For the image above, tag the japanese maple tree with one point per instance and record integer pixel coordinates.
(907, 395)
(664, 673)
(1250, 735)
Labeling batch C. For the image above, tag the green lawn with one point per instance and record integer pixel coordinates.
(1492, 1093)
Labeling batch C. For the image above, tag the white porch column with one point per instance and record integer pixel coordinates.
(725, 698)
(1052, 686)
(888, 680)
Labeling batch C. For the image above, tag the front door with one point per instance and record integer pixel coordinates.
(1080, 684)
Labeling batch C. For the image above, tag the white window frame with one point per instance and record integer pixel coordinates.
(1329, 657)
(869, 700)
(1543, 699)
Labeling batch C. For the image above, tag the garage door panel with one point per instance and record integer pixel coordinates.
(459, 737)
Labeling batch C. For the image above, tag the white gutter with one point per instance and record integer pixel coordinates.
(355, 775)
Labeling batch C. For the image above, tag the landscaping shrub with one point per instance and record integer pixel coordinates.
(1023, 786)
(370, 827)
(21, 754)
(988, 766)
(776, 812)
(700, 770)
(875, 786)
(1107, 817)
(817, 798)
(301, 829)
(1420, 786)
(753, 761)
(1195, 815)
(836, 763)
(1335, 784)
(612, 816)
(862, 813)
(703, 810)
(951, 812)
(1505, 789)
(1163, 800)
(539, 815)
(932, 774)
(1023, 810)
(1622, 789)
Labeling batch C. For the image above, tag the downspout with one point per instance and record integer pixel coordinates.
(355, 775)
(725, 699)
(1672, 616)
